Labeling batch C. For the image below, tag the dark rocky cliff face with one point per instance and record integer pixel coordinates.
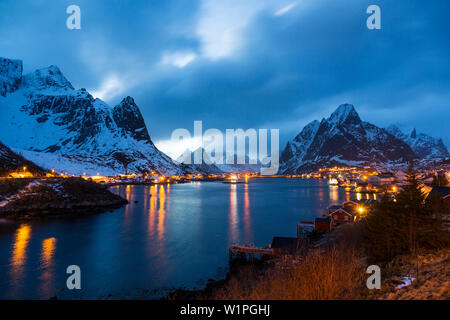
(76, 112)
(129, 118)
(10, 75)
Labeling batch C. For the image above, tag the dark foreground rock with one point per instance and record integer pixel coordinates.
(36, 198)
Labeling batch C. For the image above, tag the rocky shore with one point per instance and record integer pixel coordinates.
(37, 198)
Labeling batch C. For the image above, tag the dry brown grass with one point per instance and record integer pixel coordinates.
(326, 274)
(431, 271)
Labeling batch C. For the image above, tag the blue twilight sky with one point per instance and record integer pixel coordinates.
(245, 63)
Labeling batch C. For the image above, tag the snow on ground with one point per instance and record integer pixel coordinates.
(407, 281)
(19, 193)
(432, 282)
(71, 166)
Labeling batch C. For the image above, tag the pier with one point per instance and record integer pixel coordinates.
(248, 251)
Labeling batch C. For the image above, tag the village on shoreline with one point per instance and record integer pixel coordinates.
(364, 184)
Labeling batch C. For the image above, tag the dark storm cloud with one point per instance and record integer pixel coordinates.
(285, 71)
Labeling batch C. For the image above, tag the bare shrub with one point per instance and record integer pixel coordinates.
(332, 273)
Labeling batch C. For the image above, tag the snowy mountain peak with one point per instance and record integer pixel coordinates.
(129, 118)
(343, 113)
(10, 75)
(70, 131)
(46, 78)
(307, 132)
(342, 139)
(394, 130)
(413, 134)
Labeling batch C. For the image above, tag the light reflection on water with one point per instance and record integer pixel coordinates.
(233, 214)
(167, 236)
(19, 257)
(247, 219)
(334, 194)
(47, 277)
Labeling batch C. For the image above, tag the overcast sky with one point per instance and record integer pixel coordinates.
(245, 63)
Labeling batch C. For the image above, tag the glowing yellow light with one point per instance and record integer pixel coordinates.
(20, 245)
(21, 174)
(361, 210)
(48, 249)
(394, 188)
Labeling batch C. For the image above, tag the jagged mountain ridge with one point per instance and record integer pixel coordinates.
(211, 166)
(41, 112)
(423, 145)
(341, 139)
(206, 167)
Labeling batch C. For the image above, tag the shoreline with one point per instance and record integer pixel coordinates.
(75, 211)
(27, 199)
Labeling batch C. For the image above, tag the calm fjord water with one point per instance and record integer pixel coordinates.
(173, 236)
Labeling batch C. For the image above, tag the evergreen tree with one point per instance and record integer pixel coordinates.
(411, 206)
(404, 224)
(382, 237)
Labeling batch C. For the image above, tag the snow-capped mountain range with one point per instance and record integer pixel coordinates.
(46, 120)
(208, 165)
(54, 125)
(344, 139)
(423, 145)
